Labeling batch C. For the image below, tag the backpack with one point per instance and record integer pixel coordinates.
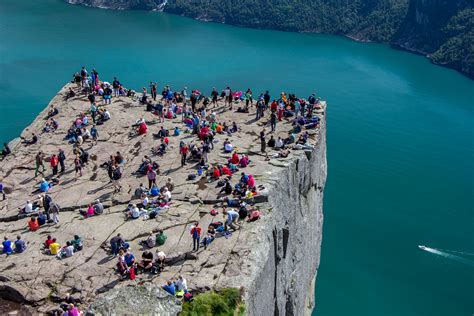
(214, 212)
(117, 174)
(188, 297)
(217, 224)
(254, 216)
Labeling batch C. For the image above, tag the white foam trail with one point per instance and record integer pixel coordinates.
(447, 255)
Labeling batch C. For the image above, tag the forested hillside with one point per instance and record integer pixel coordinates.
(442, 29)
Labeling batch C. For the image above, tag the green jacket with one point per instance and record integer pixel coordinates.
(161, 239)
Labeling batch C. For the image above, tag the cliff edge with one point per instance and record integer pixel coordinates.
(273, 260)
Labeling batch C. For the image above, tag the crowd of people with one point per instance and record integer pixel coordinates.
(196, 115)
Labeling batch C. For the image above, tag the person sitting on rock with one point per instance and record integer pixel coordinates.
(129, 259)
(134, 212)
(7, 246)
(143, 128)
(20, 245)
(140, 191)
(154, 191)
(98, 207)
(121, 264)
(235, 158)
(54, 247)
(33, 224)
(30, 207)
(216, 173)
(89, 212)
(227, 188)
(166, 195)
(211, 235)
(34, 140)
(53, 111)
(49, 241)
(70, 94)
(244, 161)
(228, 147)
(170, 184)
(77, 243)
(160, 238)
(147, 260)
(169, 287)
(150, 242)
(159, 264)
(66, 251)
(44, 185)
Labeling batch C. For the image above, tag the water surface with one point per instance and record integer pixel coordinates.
(400, 134)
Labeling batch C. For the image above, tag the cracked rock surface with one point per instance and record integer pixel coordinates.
(274, 259)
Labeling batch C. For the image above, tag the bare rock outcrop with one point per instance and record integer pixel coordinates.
(274, 259)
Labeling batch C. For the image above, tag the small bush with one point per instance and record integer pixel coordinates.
(223, 303)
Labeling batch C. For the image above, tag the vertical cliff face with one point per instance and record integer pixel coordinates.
(291, 244)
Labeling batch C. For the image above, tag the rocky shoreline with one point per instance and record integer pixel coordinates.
(274, 259)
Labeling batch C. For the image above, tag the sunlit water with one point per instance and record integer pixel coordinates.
(400, 134)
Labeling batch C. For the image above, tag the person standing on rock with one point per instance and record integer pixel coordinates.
(116, 176)
(39, 163)
(153, 90)
(228, 97)
(116, 86)
(183, 150)
(266, 99)
(116, 243)
(214, 95)
(78, 165)
(54, 161)
(273, 121)
(47, 202)
(262, 141)
(151, 175)
(196, 233)
(61, 159)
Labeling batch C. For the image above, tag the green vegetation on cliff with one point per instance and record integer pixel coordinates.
(226, 302)
(373, 19)
(440, 28)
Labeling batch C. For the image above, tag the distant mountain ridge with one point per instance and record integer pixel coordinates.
(441, 29)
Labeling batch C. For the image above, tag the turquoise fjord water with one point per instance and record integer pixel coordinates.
(400, 134)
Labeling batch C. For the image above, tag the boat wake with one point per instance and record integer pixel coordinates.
(450, 254)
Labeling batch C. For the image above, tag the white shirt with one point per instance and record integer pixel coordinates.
(69, 251)
(228, 147)
(145, 201)
(227, 92)
(167, 195)
(279, 143)
(181, 284)
(28, 208)
(107, 115)
(135, 212)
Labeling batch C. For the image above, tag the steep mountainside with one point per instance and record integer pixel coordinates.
(441, 29)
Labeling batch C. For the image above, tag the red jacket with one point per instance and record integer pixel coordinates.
(196, 230)
(54, 161)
